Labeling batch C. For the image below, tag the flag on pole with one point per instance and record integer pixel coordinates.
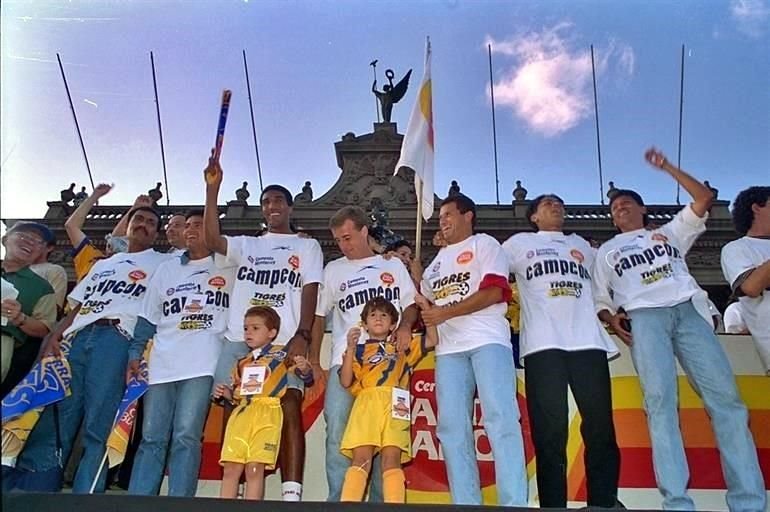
(417, 148)
(117, 443)
(48, 382)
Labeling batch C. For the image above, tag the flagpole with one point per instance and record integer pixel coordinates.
(494, 124)
(75, 117)
(418, 232)
(160, 129)
(253, 127)
(681, 103)
(98, 473)
(598, 140)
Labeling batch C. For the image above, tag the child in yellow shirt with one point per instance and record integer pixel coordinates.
(253, 432)
(378, 377)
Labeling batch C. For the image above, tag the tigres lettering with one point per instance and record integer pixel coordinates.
(364, 295)
(270, 278)
(460, 277)
(647, 257)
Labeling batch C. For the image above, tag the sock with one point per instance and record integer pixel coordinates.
(291, 491)
(394, 486)
(354, 485)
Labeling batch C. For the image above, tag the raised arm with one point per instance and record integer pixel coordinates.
(121, 228)
(702, 196)
(213, 176)
(74, 223)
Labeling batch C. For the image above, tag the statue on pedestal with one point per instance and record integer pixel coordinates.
(612, 192)
(68, 194)
(80, 197)
(390, 93)
(519, 193)
(155, 193)
(242, 194)
(306, 195)
(713, 190)
(454, 189)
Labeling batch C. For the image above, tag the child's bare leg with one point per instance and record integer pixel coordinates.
(231, 477)
(255, 481)
(355, 479)
(393, 480)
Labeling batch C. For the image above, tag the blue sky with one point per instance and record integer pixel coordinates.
(310, 76)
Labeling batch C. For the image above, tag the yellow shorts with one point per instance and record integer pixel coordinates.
(253, 432)
(371, 424)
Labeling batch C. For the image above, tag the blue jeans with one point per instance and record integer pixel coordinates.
(658, 335)
(98, 359)
(175, 410)
(490, 370)
(337, 404)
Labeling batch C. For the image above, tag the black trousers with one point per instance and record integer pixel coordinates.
(547, 374)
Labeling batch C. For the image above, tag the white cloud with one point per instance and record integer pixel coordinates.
(751, 16)
(548, 83)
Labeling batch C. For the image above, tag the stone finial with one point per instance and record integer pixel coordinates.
(155, 193)
(612, 191)
(519, 193)
(68, 194)
(306, 195)
(80, 197)
(454, 189)
(242, 194)
(713, 190)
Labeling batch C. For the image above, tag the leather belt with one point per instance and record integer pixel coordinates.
(107, 321)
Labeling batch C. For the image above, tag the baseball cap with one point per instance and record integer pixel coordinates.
(41, 229)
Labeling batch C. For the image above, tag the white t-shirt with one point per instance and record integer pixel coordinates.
(271, 271)
(733, 319)
(647, 269)
(349, 284)
(738, 257)
(188, 301)
(455, 274)
(553, 274)
(115, 288)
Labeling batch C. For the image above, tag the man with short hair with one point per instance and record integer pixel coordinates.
(54, 274)
(348, 283)
(187, 303)
(175, 234)
(641, 276)
(31, 315)
(279, 269)
(467, 282)
(563, 345)
(746, 265)
(105, 308)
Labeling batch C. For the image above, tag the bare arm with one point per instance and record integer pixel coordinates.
(299, 343)
(346, 371)
(757, 281)
(74, 223)
(121, 228)
(316, 337)
(214, 239)
(702, 196)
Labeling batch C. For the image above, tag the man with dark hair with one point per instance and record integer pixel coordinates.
(187, 305)
(468, 284)
(104, 349)
(348, 284)
(563, 345)
(746, 265)
(279, 269)
(31, 314)
(641, 275)
(175, 234)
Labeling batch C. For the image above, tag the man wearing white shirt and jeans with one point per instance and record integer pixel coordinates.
(746, 265)
(187, 304)
(644, 273)
(563, 344)
(468, 283)
(348, 284)
(281, 270)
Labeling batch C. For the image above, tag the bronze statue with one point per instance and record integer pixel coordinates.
(390, 94)
(155, 193)
(454, 189)
(713, 190)
(612, 192)
(68, 194)
(242, 194)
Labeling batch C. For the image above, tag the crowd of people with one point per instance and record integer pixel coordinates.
(237, 322)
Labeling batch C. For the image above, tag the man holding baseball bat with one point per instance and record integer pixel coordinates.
(644, 290)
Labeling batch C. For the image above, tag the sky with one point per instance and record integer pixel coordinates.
(311, 83)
